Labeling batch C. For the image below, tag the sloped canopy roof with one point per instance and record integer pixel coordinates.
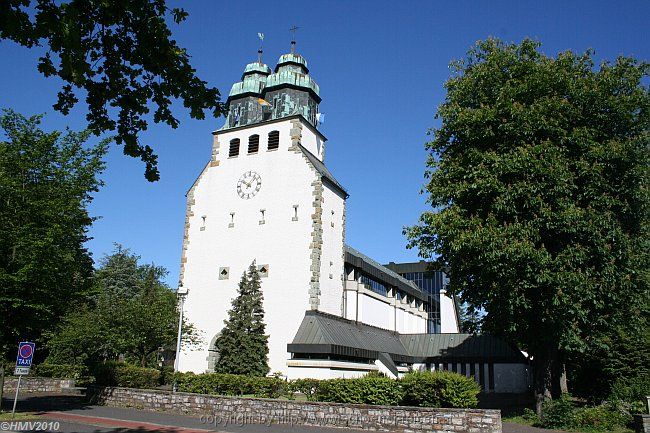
(328, 334)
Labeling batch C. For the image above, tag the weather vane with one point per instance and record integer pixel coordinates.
(293, 38)
(259, 52)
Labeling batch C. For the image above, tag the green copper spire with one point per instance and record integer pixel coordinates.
(262, 95)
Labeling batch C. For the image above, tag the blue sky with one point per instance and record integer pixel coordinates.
(380, 65)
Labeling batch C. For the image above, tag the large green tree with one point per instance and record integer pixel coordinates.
(120, 56)
(243, 344)
(46, 183)
(131, 312)
(538, 179)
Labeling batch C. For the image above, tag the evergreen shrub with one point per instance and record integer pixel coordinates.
(113, 373)
(599, 418)
(439, 389)
(629, 394)
(61, 371)
(372, 389)
(231, 384)
(166, 375)
(9, 367)
(307, 387)
(562, 414)
(433, 389)
(557, 413)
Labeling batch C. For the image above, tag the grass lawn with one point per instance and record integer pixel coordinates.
(523, 420)
(6, 415)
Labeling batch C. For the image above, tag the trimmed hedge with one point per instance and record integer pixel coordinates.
(231, 384)
(439, 389)
(433, 389)
(61, 371)
(365, 390)
(126, 375)
(307, 387)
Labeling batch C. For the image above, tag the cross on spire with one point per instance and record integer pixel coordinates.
(259, 52)
(293, 38)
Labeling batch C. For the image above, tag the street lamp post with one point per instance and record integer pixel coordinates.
(181, 292)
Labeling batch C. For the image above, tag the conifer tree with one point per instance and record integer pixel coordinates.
(243, 344)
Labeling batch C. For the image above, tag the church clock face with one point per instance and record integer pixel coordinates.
(249, 184)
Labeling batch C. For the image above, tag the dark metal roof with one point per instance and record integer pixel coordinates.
(325, 333)
(324, 172)
(421, 266)
(459, 346)
(382, 273)
(328, 334)
(402, 268)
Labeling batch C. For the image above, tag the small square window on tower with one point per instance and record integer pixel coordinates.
(263, 270)
(224, 273)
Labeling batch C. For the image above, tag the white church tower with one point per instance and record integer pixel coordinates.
(265, 195)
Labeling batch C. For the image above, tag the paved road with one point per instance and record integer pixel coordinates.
(74, 415)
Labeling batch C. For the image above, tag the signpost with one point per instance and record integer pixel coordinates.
(23, 364)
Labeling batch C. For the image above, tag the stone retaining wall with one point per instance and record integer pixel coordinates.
(218, 411)
(38, 384)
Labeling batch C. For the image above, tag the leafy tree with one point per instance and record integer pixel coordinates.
(131, 313)
(619, 355)
(470, 319)
(538, 179)
(243, 344)
(46, 183)
(120, 56)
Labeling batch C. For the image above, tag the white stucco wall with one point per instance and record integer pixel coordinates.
(331, 265)
(382, 311)
(448, 319)
(375, 312)
(324, 371)
(281, 243)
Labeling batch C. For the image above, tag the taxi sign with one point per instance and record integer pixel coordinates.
(24, 358)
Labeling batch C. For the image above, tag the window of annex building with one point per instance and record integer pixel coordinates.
(374, 285)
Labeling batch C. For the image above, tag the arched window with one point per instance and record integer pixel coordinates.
(274, 140)
(213, 353)
(234, 147)
(253, 143)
